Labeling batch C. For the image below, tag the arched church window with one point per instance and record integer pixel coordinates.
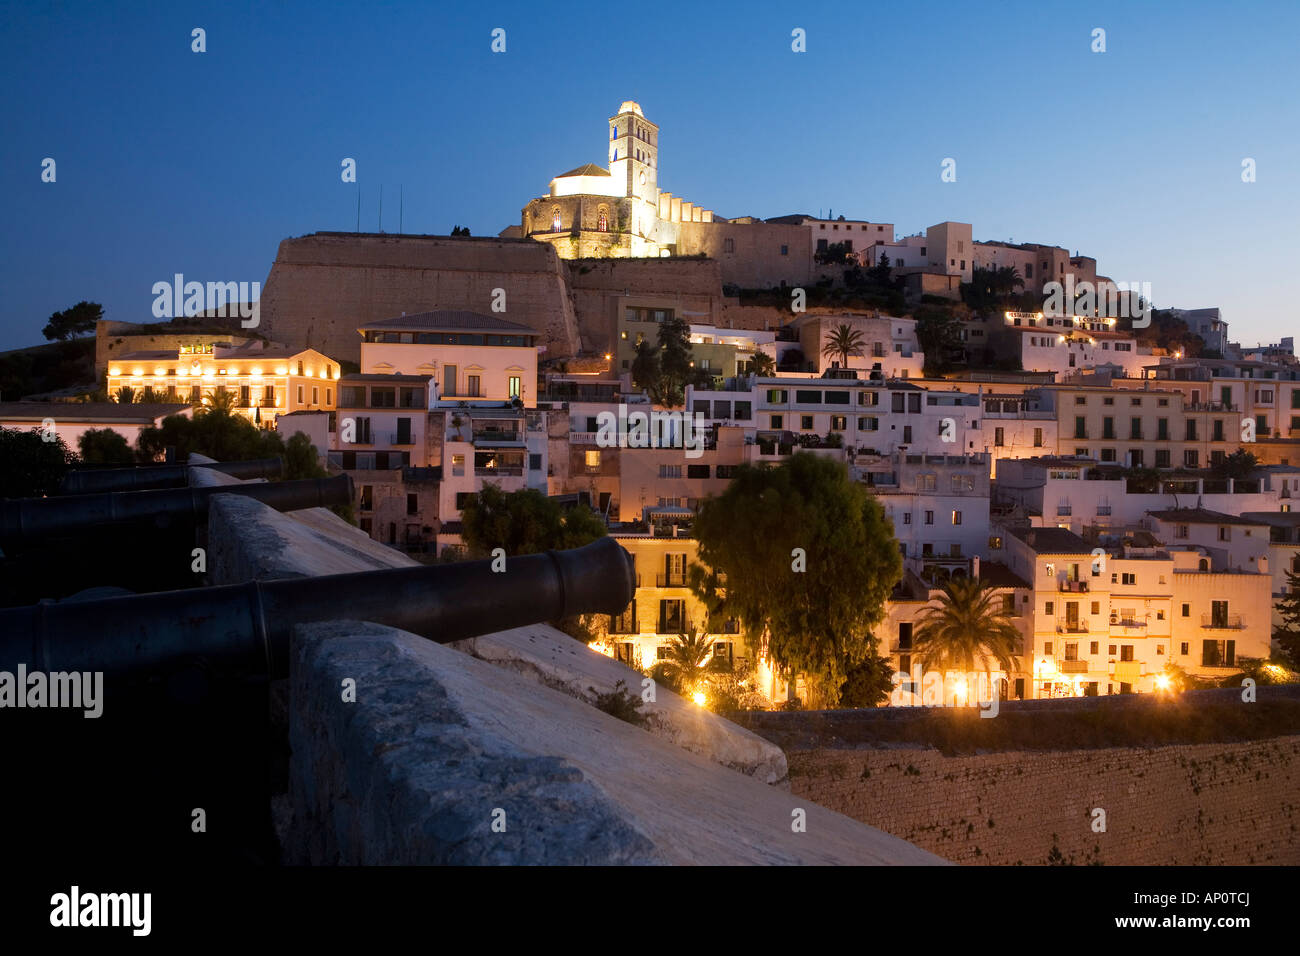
(602, 221)
(613, 132)
(555, 219)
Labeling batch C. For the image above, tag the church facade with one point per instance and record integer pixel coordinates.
(614, 211)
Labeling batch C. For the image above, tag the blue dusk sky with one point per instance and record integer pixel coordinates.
(200, 163)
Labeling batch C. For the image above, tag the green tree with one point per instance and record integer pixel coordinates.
(1286, 636)
(809, 560)
(675, 370)
(866, 683)
(33, 467)
(938, 332)
(103, 446)
(212, 432)
(1240, 464)
(688, 662)
(70, 323)
(762, 365)
(645, 367)
(843, 341)
(881, 274)
(525, 522)
(124, 394)
(836, 253)
(967, 630)
(301, 460)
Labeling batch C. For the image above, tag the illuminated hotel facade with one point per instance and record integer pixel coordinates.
(266, 380)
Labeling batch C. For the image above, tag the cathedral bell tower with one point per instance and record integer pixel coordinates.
(634, 153)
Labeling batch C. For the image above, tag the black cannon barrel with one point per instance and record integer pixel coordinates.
(245, 628)
(98, 480)
(28, 520)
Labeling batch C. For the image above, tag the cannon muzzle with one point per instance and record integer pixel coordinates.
(28, 520)
(245, 628)
(97, 480)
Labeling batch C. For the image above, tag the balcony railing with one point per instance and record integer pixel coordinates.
(1072, 627)
(1117, 621)
(1223, 622)
(1075, 587)
(1103, 510)
(1072, 667)
(400, 438)
(1064, 510)
(672, 579)
(515, 471)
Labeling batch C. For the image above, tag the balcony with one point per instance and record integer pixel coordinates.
(1074, 587)
(1064, 511)
(671, 579)
(1103, 510)
(1071, 627)
(400, 438)
(1222, 622)
(1117, 621)
(499, 471)
(1072, 667)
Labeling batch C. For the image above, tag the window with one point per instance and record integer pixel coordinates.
(696, 471)
(1218, 653)
(555, 214)
(534, 462)
(929, 517)
(806, 422)
(868, 424)
(1038, 438)
(412, 503)
(1096, 609)
(1184, 648)
(926, 482)
(1047, 645)
(670, 471)
(777, 421)
(956, 517)
(1191, 458)
(998, 439)
(592, 461)
(1092, 647)
(473, 390)
(1080, 427)
(458, 466)
(1111, 651)
(1129, 578)
(367, 500)
(785, 250)
(907, 517)
(728, 245)
(962, 483)
(1049, 609)
(995, 543)
(1126, 652)
(839, 423)
(300, 401)
(1187, 611)
(513, 386)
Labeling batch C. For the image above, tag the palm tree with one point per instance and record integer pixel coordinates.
(969, 625)
(843, 341)
(152, 396)
(690, 657)
(124, 395)
(219, 403)
(762, 365)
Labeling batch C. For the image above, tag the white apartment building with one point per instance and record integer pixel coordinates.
(1109, 618)
(1077, 493)
(938, 506)
(467, 354)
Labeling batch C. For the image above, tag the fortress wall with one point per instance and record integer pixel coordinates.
(322, 286)
(601, 286)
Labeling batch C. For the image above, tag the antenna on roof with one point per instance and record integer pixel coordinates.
(358, 207)
(381, 208)
(401, 206)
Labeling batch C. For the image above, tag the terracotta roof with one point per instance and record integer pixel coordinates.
(1052, 540)
(588, 169)
(1200, 516)
(999, 575)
